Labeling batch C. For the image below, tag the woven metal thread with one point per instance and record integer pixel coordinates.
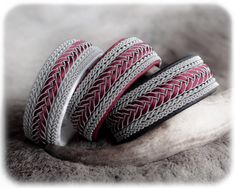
(85, 55)
(151, 118)
(127, 119)
(84, 107)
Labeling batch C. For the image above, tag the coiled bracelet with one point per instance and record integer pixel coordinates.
(44, 118)
(80, 88)
(106, 81)
(166, 93)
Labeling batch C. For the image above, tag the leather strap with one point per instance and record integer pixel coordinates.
(164, 94)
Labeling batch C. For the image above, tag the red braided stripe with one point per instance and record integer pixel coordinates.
(96, 131)
(98, 60)
(51, 86)
(113, 46)
(105, 82)
(160, 95)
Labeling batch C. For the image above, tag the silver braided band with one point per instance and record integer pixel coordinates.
(165, 93)
(158, 80)
(112, 94)
(106, 81)
(73, 58)
(38, 84)
(164, 110)
(67, 89)
(87, 82)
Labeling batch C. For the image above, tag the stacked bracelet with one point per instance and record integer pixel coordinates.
(106, 81)
(44, 119)
(166, 93)
(79, 88)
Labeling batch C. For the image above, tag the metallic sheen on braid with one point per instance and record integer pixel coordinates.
(121, 66)
(172, 106)
(163, 77)
(98, 68)
(59, 82)
(38, 84)
(180, 86)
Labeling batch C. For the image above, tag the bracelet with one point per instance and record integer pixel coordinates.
(164, 94)
(105, 83)
(45, 118)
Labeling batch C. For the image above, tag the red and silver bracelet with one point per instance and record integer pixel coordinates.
(164, 94)
(106, 81)
(45, 118)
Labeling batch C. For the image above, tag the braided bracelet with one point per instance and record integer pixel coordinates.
(106, 81)
(44, 118)
(166, 93)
